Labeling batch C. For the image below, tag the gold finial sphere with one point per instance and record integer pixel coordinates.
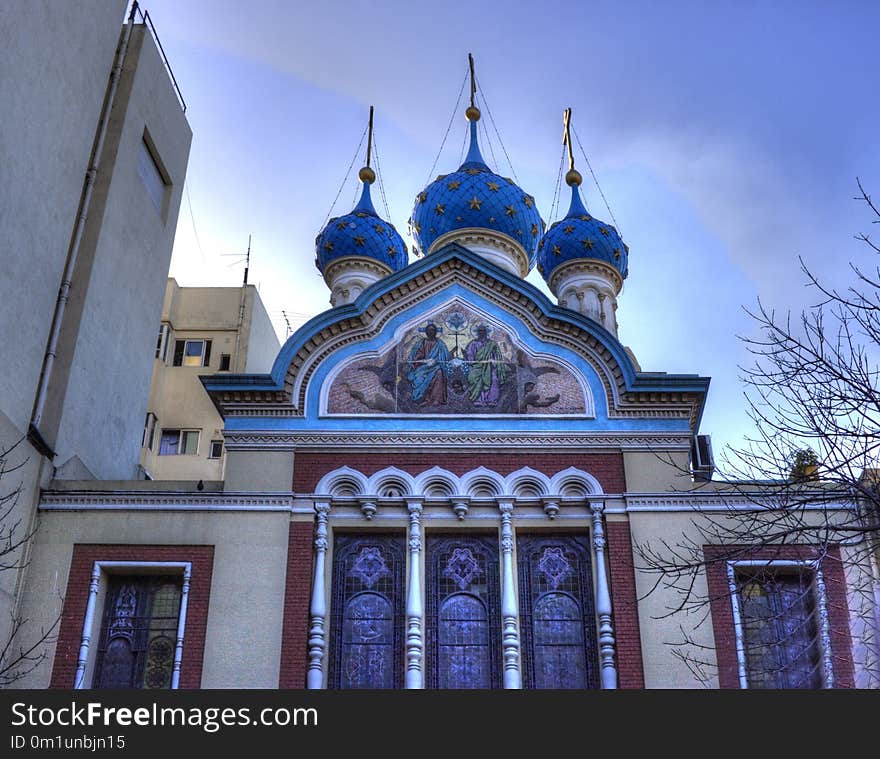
(472, 113)
(573, 177)
(367, 175)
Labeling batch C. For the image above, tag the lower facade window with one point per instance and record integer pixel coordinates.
(556, 615)
(368, 611)
(779, 632)
(179, 442)
(463, 627)
(138, 632)
(462, 611)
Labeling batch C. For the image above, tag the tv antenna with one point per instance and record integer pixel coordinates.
(246, 257)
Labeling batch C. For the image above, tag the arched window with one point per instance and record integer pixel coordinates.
(367, 612)
(463, 630)
(556, 612)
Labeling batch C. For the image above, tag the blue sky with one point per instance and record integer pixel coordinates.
(727, 138)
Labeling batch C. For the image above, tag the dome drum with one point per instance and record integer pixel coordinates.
(349, 276)
(495, 247)
(590, 288)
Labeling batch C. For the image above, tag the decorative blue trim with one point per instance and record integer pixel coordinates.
(633, 381)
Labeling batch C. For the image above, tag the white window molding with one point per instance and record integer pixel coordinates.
(100, 571)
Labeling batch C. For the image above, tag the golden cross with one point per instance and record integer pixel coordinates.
(566, 137)
(370, 137)
(473, 79)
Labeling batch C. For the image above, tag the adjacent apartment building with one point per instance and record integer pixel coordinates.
(94, 148)
(204, 330)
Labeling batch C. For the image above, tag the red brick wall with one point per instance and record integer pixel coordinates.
(295, 633)
(625, 607)
(76, 599)
(309, 467)
(722, 611)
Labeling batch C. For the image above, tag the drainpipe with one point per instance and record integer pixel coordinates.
(85, 202)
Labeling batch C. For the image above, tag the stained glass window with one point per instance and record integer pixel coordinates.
(779, 630)
(463, 626)
(367, 611)
(557, 624)
(138, 632)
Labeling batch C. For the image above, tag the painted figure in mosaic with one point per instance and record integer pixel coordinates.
(428, 366)
(486, 369)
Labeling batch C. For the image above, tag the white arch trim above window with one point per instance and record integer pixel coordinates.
(481, 482)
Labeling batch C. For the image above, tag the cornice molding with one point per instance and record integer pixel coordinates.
(163, 501)
(286, 440)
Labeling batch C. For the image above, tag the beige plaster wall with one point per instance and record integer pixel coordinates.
(243, 641)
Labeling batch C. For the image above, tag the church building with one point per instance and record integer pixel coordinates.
(443, 482)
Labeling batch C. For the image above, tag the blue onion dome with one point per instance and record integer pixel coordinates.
(475, 206)
(361, 234)
(580, 236)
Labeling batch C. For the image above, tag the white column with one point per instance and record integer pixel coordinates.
(509, 605)
(607, 667)
(414, 613)
(181, 626)
(318, 609)
(824, 629)
(87, 627)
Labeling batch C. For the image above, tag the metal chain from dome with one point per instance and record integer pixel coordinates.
(593, 174)
(347, 173)
(448, 127)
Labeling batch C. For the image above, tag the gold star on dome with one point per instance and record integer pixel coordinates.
(391, 250)
(359, 241)
(361, 214)
(328, 246)
(534, 230)
(491, 219)
(510, 210)
(519, 233)
(458, 218)
(541, 245)
(616, 252)
(493, 186)
(568, 230)
(432, 230)
(380, 229)
(342, 225)
(473, 172)
(475, 203)
(588, 244)
(423, 196)
(543, 224)
(528, 200)
(453, 185)
(586, 217)
(604, 231)
(439, 209)
(557, 250)
(417, 227)
(440, 177)
(509, 180)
